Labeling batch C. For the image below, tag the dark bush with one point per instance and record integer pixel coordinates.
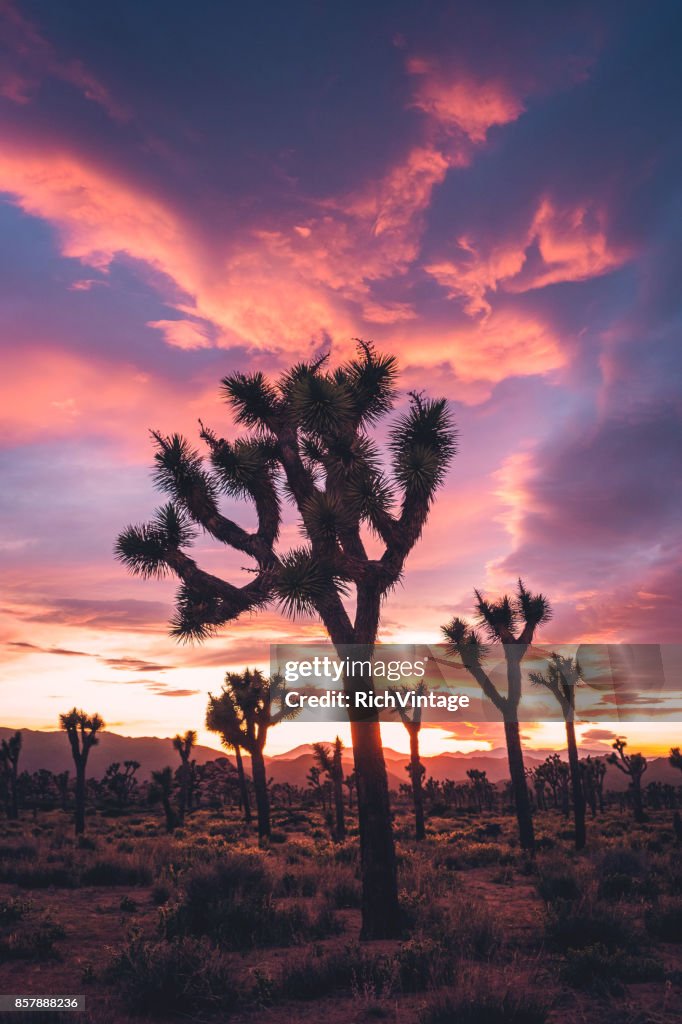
(166, 978)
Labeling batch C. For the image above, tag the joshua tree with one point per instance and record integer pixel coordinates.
(512, 622)
(121, 783)
(481, 787)
(161, 789)
(313, 779)
(247, 707)
(331, 763)
(243, 790)
(350, 782)
(634, 766)
(81, 730)
(675, 758)
(184, 745)
(9, 769)
(415, 769)
(308, 434)
(561, 679)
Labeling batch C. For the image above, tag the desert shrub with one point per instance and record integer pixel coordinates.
(602, 969)
(298, 883)
(13, 909)
(576, 925)
(160, 894)
(127, 905)
(232, 902)
(422, 963)
(512, 1006)
(41, 875)
(557, 881)
(162, 978)
(33, 941)
(664, 919)
(117, 872)
(344, 892)
(313, 977)
(22, 851)
(465, 927)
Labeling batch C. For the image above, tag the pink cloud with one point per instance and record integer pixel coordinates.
(33, 59)
(572, 245)
(460, 102)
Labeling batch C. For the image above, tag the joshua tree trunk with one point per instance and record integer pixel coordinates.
(380, 911)
(637, 805)
(79, 817)
(244, 802)
(338, 805)
(380, 906)
(577, 786)
(416, 774)
(519, 785)
(171, 818)
(260, 785)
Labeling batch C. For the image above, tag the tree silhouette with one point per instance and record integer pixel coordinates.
(121, 783)
(242, 713)
(561, 679)
(330, 762)
(350, 782)
(10, 750)
(161, 789)
(308, 435)
(415, 769)
(513, 622)
(675, 758)
(81, 730)
(184, 745)
(594, 770)
(634, 766)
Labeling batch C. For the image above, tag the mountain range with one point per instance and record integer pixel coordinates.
(50, 750)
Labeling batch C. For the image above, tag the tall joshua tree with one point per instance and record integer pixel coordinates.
(412, 720)
(511, 621)
(81, 730)
(308, 437)
(242, 713)
(634, 766)
(9, 768)
(561, 679)
(331, 763)
(184, 745)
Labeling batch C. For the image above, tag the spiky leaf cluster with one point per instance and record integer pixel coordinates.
(307, 438)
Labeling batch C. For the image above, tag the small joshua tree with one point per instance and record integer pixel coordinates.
(412, 720)
(242, 713)
(81, 730)
(309, 438)
(161, 789)
(634, 766)
(121, 782)
(561, 679)
(9, 769)
(184, 745)
(330, 762)
(511, 621)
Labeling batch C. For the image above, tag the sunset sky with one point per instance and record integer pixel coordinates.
(492, 191)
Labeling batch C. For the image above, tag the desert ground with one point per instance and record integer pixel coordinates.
(203, 925)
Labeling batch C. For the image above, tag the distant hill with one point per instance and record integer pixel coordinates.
(50, 750)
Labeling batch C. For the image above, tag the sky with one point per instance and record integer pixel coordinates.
(490, 191)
